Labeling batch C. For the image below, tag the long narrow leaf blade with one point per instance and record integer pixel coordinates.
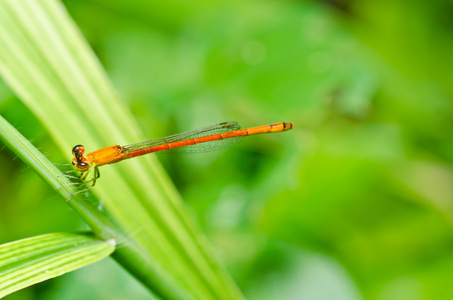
(48, 64)
(32, 260)
(138, 261)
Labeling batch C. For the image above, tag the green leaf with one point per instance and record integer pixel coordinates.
(29, 261)
(50, 67)
(136, 260)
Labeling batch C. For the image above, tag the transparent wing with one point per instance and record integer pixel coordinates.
(197, 148)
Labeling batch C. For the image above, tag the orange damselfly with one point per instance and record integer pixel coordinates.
(201, 140)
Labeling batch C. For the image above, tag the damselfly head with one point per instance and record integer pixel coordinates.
(79, 160)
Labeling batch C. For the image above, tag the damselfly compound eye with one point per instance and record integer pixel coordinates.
(78, 148)
(83, 166)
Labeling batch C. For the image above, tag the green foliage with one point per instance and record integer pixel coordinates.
(356, 198)
(46, 62)
(29, 261)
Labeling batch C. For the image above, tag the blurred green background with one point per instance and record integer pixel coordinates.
(356, 202)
